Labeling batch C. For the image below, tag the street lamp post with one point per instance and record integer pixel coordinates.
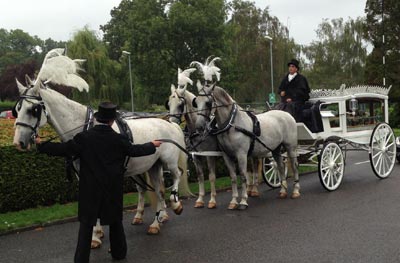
(272, 69)
(130, 75)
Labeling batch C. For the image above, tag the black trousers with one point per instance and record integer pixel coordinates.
(117, 242)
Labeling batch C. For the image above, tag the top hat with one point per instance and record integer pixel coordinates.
(107, 112)
(294, 62)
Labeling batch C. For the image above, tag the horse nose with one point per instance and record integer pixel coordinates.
(22, 144)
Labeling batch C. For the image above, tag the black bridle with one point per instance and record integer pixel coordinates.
(181, 108)
(36, 111)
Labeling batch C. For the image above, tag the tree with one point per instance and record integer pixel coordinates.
(376, 27)
(101, 73)
(249, 51)
(338, 56)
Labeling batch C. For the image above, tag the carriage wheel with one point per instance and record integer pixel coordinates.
(331, 166)
(382, 154)
(270, 172)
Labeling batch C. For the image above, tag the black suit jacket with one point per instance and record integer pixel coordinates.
(102, 154)
(297, 89)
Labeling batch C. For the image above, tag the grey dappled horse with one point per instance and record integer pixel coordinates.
(180, 104)
(235, 136)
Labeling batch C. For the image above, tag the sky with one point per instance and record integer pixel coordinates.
(59, 19)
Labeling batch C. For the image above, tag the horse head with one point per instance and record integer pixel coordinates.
(204, 104)
(30, 112)
(176, 104)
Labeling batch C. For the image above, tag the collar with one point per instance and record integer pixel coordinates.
(290, 77)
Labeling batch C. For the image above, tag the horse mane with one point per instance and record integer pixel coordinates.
(223, 95)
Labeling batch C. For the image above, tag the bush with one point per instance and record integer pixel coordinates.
(28, 180)
(6, 105)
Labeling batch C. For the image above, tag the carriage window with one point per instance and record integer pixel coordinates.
(331, 111)
(370, 111)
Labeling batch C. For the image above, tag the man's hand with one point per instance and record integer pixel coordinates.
(157, 143)
(288, 100)
(283, 93)
(37, 140)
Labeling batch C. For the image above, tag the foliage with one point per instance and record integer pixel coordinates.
(376, 27)
(101, 73)
(339, 56)
(6, 105)
(29, 179)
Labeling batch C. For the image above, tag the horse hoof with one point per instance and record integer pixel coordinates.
(164, 219)
(153, 230)
(95, 244)
(254, 194)
(282, 195)
(179, 209)
(242, 207)
(199, 204)
(233, 206)
(137, 221)
(212, 205)
(295, 196)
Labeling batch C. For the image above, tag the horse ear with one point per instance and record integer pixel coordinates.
(198, 85)
(166, 104)
(21, 87)
(172, 88)
(29, 82)
(194, 104)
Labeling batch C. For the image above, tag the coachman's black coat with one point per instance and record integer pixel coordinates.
(298, 90)
(102, 154)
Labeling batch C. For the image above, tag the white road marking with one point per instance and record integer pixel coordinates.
(361, 162)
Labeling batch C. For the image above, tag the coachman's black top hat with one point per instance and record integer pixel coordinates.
(294, 62)
(107, 112)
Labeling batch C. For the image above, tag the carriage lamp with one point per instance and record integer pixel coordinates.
(353, 106)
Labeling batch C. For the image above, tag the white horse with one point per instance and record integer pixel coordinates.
(39, 104)
(180, 104)
(238, 141)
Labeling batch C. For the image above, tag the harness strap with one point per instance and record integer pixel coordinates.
(143, 184)
(229, 123)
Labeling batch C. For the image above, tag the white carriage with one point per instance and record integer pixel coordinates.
(350, 118)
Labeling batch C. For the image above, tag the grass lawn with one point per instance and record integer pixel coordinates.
(42, 216)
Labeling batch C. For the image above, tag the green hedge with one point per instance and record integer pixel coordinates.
(30, 179)
(6, 105)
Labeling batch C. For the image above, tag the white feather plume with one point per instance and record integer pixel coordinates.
(184, 76)
(62, 70)
(208, 68)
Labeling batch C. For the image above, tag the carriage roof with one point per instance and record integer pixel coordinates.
(344, 93)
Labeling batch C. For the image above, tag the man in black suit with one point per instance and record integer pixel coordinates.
(294, 91)
(102, 153)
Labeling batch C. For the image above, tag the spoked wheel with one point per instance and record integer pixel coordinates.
(270, 172)
(382, 154)
(331, 166)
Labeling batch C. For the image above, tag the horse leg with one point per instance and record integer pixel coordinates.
(176, 204)
(276, 154)
(138, 218)
(200, 177)
(155, 174)
(211, 177)
(97, 234)
(242, 164)
(293, 161)
(252, 187)
(232, 173)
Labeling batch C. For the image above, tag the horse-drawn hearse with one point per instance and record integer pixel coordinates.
(341, 120)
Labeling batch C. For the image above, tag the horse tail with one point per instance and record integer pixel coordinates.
(184, 189)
